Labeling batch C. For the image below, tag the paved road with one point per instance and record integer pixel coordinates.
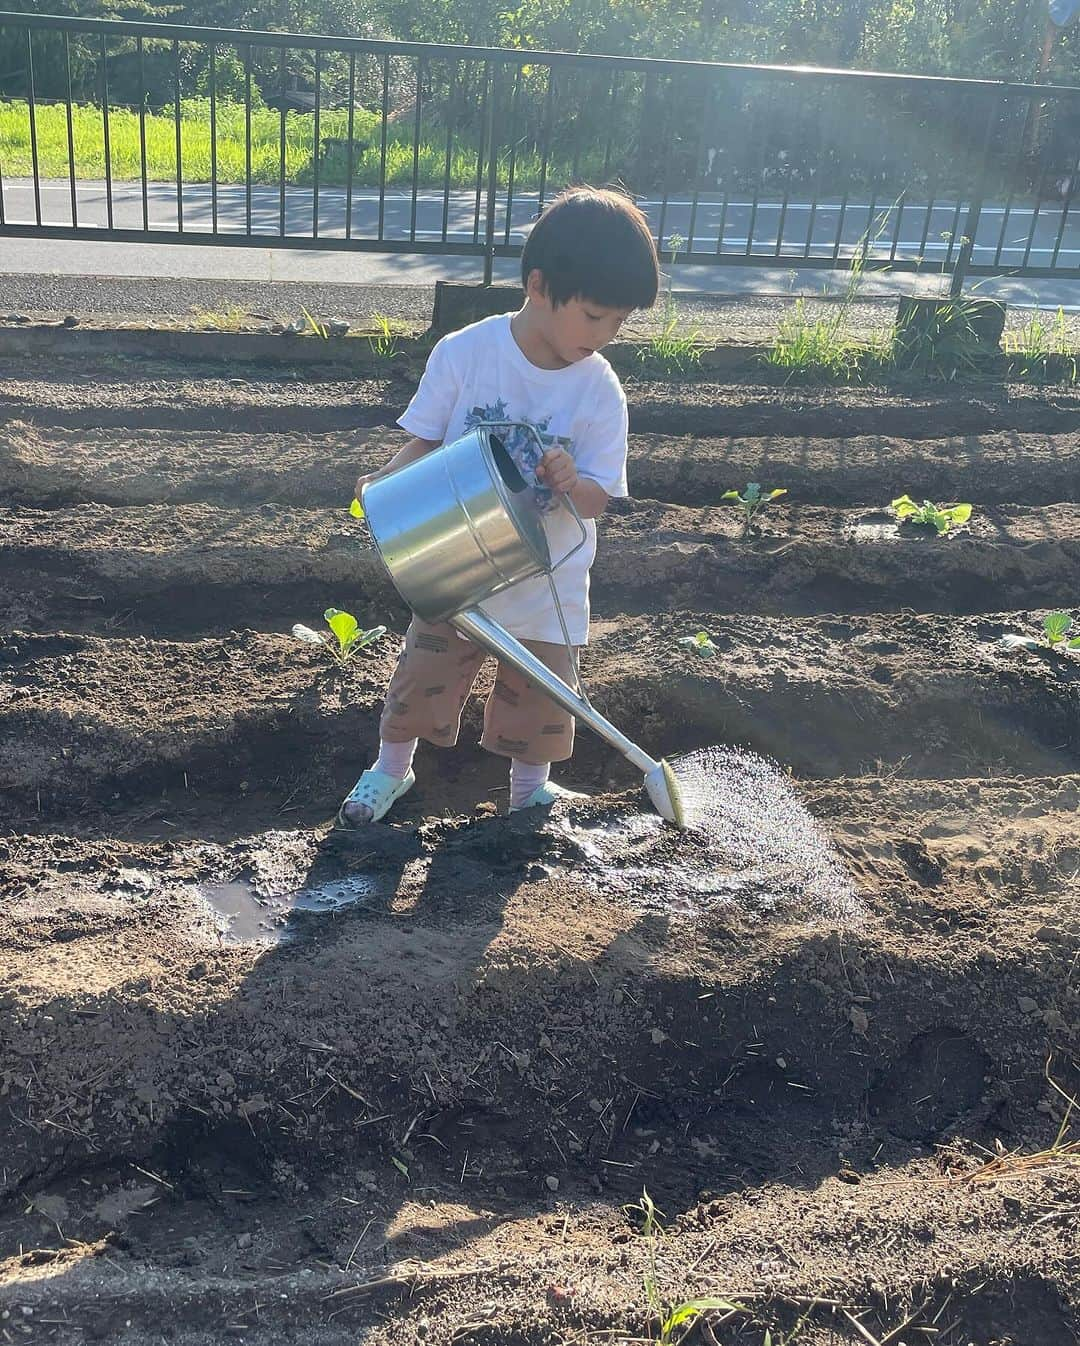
(793, 227)
(162, 264)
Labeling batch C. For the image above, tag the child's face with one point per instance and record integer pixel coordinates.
(578, 328)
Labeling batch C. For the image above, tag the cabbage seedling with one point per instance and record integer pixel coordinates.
(347, 631)
(1056, 625)
(942, 517)
(753, 500)
(700, 644)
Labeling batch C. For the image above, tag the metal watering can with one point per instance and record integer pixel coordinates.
(459, 525)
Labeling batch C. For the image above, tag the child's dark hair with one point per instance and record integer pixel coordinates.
(593, 243)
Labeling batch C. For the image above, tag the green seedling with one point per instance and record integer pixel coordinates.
(753, 500)
(347, 631)
(356, 509)
(1056, 625)
(942, 517)
(700, 644)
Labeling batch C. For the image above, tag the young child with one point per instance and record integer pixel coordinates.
(589, 261)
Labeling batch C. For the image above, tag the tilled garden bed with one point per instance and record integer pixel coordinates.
(260, 1081)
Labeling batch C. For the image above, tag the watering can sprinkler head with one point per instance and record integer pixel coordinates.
(663, 790)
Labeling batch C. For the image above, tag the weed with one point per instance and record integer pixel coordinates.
(1041, 351)
(700, 644)
(384, 343)
(671, 1317)
(348, 633)
(824, 348)
(942, 517)
(229, 318)
(815, 347)
(752, 501)
(314, 326)
(673, 350)
(944, 342)
(1056, 627)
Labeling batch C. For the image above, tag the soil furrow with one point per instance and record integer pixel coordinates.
(57, 467)
(192, 569)
(148, 395)
(82, 718)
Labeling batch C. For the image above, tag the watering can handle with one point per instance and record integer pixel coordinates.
(567, 502)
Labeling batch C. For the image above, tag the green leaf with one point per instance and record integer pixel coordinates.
(773, 494)
(701, 643)
(959, 513)
(692, 1309)
(401, 1168)
(369, 637)
(1074, 644)
(941, 521)
(1055, 624)
(731, 495)
(356, 509)
(904, 505)
(753, 491)
(343, 624)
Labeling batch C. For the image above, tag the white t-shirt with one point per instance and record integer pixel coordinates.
(480, 374)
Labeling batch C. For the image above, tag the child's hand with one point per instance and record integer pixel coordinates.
(361, 482)
(558, 470)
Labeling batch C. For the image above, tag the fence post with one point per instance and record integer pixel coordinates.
(493, 177)
(971, 223)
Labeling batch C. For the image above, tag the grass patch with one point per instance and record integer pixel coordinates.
(198, 162)
(1039, 350)
(228, 318)
(824, 349)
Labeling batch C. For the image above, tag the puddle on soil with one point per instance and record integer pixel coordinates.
(875, 532)
(243, 916)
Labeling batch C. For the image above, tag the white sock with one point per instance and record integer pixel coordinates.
(395, 758)
(525, 777)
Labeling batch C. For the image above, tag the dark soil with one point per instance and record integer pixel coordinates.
(427, 1114)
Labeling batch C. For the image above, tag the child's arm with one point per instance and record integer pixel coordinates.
(408, 453)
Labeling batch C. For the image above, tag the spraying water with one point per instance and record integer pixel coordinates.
(759, 836)
(746, 841)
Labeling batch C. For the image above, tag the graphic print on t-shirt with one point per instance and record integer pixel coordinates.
(522, 446)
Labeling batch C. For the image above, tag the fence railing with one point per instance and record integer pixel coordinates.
(165, 133)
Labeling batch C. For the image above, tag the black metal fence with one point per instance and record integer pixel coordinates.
(155, 132)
